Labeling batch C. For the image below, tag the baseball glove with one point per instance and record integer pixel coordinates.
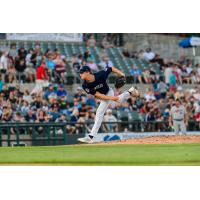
(120, 82)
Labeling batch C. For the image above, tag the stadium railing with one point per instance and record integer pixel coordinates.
(37, 134)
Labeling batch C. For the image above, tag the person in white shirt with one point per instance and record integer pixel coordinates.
(189, 69)
(106, 63)
(109, 117)
(149, 55)
(28, 57)
(178, 118)
(4, 62)
(149, 95)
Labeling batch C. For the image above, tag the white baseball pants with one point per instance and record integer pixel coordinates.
(179, 126)
(103, 107)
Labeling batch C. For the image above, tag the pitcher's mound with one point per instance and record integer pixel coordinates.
(183, 139)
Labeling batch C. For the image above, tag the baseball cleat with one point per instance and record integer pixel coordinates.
(134, 92)
(85, 139)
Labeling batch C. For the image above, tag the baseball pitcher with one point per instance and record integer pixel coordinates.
(96, 85)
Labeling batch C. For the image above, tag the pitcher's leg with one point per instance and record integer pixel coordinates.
(131, 92)
(123, 96)
(99, 117)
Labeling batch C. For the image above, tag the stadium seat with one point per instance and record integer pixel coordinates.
(122, 115)
(133, 116)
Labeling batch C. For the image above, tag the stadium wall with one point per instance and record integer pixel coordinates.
(165, 45)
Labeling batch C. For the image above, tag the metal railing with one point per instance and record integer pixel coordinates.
(34, 134)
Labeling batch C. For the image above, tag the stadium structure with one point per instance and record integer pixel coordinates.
(125, 52)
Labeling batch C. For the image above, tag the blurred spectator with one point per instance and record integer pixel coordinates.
(25, 108)
(162, 89)
(92, 65)
(126, 53)
(13, 51)
(172, 81)
(78, 94)
(76, 62)
(149, 95)
(141, 54)
(153, 75)
(62, 118)
(18, 117)
(146, 76)
(75, 115)
(110, 118)
(30, 116)
(11, 74)
(54, 112)
(22, 53)
(50, 92)
(102, 53)
(1, 83)
(41, 116)
(158, 60)
(29, 57)
(27, 97)
(60, 69)
(4, 62)
(41, 79)
(30, 74)
(137, 74)
(167, 73)
(20, 66)
(105, 43)
(64, 106)
(149, 55)
(91, 101)
(150, 116)
(106, 63)
(6, 114)
(91, 42)
(87, 56)
(61, 92)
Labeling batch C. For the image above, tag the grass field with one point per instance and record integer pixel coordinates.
(165, 154)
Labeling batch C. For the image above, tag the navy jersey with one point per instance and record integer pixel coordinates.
(99, 85)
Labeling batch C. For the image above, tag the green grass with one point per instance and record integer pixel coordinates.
(165, 154)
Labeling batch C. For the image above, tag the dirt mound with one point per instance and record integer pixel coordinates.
(183, 139)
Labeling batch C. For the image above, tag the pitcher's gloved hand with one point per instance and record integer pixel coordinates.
(120, 82)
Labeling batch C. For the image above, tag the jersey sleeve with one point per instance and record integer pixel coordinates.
(89, 90)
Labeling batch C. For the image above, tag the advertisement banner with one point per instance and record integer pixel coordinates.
(106, 137)
(60, 37)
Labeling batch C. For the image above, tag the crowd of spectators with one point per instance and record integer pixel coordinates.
(172, 72)
(53, 104)
(20, 65)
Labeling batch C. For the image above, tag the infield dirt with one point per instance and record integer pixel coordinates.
(180, 139)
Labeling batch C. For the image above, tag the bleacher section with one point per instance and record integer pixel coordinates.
(68, 49)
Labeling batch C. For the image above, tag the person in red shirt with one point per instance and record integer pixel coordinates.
(41, 79)
(41, 73)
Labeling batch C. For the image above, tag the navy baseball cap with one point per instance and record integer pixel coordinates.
(84, 69)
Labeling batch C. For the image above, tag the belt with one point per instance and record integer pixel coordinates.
(178, 119)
